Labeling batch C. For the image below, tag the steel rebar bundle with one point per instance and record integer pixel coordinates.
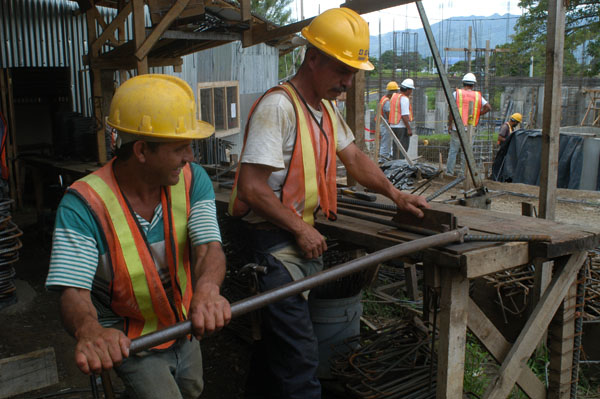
(392, 362)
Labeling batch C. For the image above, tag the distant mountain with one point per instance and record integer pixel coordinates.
(452, 33)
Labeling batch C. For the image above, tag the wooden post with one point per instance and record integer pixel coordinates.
(469, 49)
(452, 334)
(560, 343)
(552, 107)
(95, 75)
(355, 113)
(410, 281)
(139, 33)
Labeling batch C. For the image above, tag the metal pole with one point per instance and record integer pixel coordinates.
(467, 150)
(258, 301)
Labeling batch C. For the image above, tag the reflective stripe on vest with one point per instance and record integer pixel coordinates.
(396, 109)
(137, 293)
(463, 98)
(382, 102)
(310, 180)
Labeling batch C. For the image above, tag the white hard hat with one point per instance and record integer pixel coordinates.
(408, 84)
(469, 78)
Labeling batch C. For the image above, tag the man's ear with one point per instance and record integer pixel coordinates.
(139, 151)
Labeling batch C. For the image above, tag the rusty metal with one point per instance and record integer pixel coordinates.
(255, 302)
(392, 362)
(367, 204)
(445, 188)
(426, 182)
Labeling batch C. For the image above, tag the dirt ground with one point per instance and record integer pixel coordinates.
(34, 322)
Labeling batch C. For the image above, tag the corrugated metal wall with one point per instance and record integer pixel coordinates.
(256, 69)
(52, 33)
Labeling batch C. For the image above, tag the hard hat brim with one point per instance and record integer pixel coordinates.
(203, 130)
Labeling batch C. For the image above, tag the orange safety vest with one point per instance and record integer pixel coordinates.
(463, 98)
(396, 109)
(310, 182)
(382, 102)
(137, 292)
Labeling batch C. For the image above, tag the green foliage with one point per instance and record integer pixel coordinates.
(582, 27)
(477, 365)
(276, 11)
(430, 92)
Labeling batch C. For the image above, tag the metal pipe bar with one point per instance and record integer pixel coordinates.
(375, 205)
(467, 150)
(258, 301)
(445, 188)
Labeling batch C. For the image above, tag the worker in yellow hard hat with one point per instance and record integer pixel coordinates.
(385, 143)
(137, 246)
(507, 127)
(287, 174)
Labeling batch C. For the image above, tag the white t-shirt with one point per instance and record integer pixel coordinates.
(271, 137)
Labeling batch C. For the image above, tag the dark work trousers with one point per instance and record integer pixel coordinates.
(402, 134)
(284, 363)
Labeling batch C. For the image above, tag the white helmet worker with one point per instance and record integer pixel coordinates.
(407, 84)
(469, 79)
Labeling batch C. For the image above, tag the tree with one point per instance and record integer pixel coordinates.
(276, 11)
(582, 27)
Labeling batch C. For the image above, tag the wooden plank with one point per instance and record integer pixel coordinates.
(355, 113)
(481, 262)
(25, 373)
(452, 335)
(410, 277)
(367, 6)
(534, 328)
(139, 34)
(143, 50)
(130, 62)
(498, 347)
(561, 334)
(555, 41)
(116, 23)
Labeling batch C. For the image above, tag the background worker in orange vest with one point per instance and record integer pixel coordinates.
(137, 247)
(385, 145)
(507, 127)
(401, 115)
(480, 107)
(287, 173)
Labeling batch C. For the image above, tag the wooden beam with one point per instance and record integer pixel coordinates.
(108, 32)
(246, 17)
(367, 6)
(177, 34)
(534, 329)
(561, 337)
(143, 50)
(555, 43)
(355, 113)
(498, 346)
(96, 91)
(261, 33)
(28, 372)
(482, 262)
(130, 62)
(452, 335)
(139, 34)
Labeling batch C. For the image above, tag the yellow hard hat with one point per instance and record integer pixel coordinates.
(392, 86)
(517, 117)
(343, 34)
(157, 106)
(425, 142)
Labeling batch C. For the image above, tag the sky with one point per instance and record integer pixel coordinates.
(407, 17)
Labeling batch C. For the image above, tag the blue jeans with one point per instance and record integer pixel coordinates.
(453, 152)
(385, 145)
(173, 373)
(284, 363)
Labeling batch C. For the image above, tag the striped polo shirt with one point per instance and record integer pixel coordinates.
(79, 255)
